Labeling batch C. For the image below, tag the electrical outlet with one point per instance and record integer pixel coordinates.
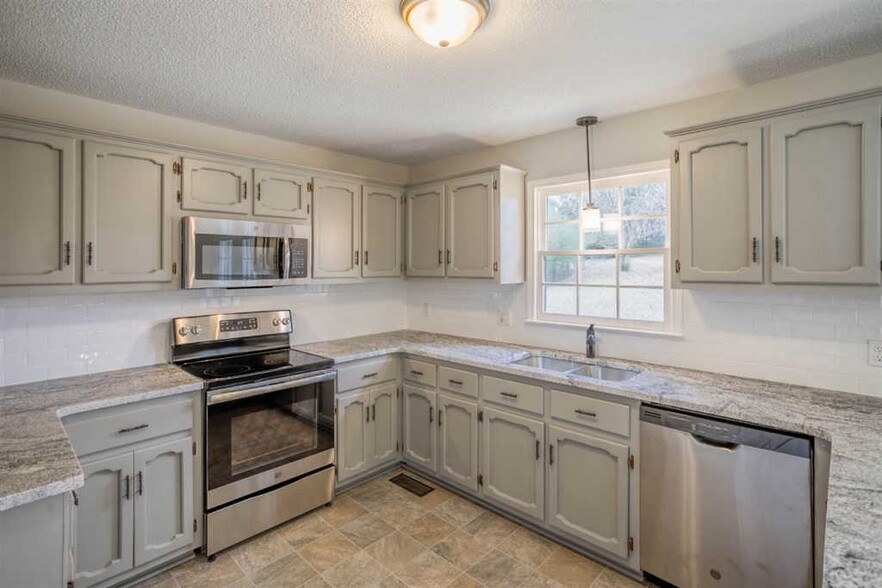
(874, 353)
(503, 319)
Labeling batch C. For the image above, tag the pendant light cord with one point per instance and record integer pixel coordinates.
(588, 158)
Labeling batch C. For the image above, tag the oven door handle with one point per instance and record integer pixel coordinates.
(221, 397)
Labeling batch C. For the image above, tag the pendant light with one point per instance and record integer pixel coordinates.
(590, 214)
(444, 23)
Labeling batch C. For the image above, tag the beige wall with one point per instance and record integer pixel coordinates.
(44, 104)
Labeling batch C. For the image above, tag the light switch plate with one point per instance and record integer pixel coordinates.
(874, 353)
(504, 318)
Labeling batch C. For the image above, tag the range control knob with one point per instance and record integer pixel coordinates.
(183, 331)
(276, 322)
(195, 329)
(285, 321)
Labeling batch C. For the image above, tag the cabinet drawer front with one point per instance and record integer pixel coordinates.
(591, 412)
(458, 381)
(420, 372)
(366, 373)
(108, 431)
(514, 394)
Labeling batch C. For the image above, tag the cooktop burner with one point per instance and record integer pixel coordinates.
(255, 366)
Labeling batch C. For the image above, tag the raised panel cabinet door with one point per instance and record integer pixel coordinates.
(588, 489)
(353, 438)
(128, 196)
(381, 232)
(215, 187)
(826, 197)
(425, 231)
(38, 197)
(105, 520)
(281, 194)
(336, 229)
(163, 499)
(721, 208)
(384, 423)
(512, 447)
(470, 227)
(458, 441)
(419, 426)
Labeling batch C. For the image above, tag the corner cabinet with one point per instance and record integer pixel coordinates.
(458, 441)
(788, 199)
(38, 196)
(468, 227)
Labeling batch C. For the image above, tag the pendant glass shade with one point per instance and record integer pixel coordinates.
(444, 23)
(591, 218)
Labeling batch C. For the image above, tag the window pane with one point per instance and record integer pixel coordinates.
(562, 207)
(642, 270)
(606, 200)
(598, 269)
(606, 238)
(560, 269)
(642, 304)
(644, 198)
(560, 299)
(644, 233)
(600, 302)
(561, 237)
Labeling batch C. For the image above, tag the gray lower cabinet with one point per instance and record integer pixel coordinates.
(419, 430)
(36, 544)
(384, 423)
(367, 425)
(588, 489)
(458, 441)
(511, 461)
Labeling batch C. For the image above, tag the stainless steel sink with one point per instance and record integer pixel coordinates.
(603, 372)
(551, 364)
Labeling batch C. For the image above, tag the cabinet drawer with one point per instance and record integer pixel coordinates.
(514, 394)
(458, 381)
(366, 373)
(107, 431)
(591, 412)
(420, 372)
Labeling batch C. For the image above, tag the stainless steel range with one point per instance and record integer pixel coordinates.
(269, 422)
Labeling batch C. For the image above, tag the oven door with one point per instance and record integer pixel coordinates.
(227, 253)
(259, 436)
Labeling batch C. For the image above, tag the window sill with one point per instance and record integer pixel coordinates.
(602, 328)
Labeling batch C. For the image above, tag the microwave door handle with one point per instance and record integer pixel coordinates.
(222, 397)
(285, 258)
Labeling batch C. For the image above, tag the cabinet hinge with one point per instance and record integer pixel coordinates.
(495, 266)
(480, 416)
(677, 266)
(631, 462)
(676, 156)
(176, 168)
(194, 525)
(174, 268)
(495, 184)
(630, 544)
(179, 197)
(194, 448)
(309, 186)
(480, 479)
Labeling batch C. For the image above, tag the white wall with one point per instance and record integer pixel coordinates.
(805, 338)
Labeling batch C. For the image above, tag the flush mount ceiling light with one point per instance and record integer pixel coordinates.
(444, 23)
(590, 214)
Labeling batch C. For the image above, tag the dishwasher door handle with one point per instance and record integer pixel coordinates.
(726, 445)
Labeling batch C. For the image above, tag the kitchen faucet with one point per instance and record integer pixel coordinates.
(590, 342)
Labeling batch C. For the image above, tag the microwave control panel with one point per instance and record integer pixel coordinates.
(299, 253)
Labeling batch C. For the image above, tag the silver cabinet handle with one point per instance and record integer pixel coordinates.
(245, 190)
(778, 249)
(456, 382)
(365, 257)
(374, 412)
(128, 482)
(416, 373)
(448, 257)
(356, 257)
(140, 490)
(509, 394)
(586, 413)
(76, 497)
(367, 414)
(258, 190)
(67, 253)
(370, 375)
(89, 250)
(755, 250)
(440, 259)
(537, 449)
(431, 414)
(551, 454)
(440, 417)
(140, 427)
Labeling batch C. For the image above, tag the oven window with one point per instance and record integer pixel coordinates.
(226, 257)
(251, 435)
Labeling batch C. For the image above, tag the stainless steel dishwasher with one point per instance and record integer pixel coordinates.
(725, 504)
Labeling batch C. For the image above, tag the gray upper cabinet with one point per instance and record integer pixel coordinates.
(825, 196)
(721, 208)
(589, 489)
(458, 441)
(105, 519)
(163, 499)
(213, 186)
(470, 227)
(381, 232)
(128, 197)
(425, 231)
(282, 194)
(336, 229)
(512, 447)
(38, 197)
(419, 429)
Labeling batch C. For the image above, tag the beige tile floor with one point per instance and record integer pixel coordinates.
(380, 535)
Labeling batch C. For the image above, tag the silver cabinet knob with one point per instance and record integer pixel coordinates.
(183, 331)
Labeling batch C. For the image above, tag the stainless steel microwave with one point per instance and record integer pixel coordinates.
(232, 253)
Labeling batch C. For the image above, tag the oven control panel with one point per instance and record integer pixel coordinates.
(219, 327)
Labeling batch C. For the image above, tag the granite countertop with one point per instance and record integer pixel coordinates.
(36, 457)
(853, 555)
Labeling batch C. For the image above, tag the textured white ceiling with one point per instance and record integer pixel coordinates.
(349, 75)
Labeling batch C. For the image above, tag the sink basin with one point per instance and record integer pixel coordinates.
(551, 364)
(602, 372)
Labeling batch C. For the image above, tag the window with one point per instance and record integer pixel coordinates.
(615, 276)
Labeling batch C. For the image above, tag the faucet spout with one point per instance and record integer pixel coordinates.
(590, 342)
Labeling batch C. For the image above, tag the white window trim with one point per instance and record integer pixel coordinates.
(673, 323)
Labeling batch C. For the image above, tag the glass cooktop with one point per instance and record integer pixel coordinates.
(255, 366)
